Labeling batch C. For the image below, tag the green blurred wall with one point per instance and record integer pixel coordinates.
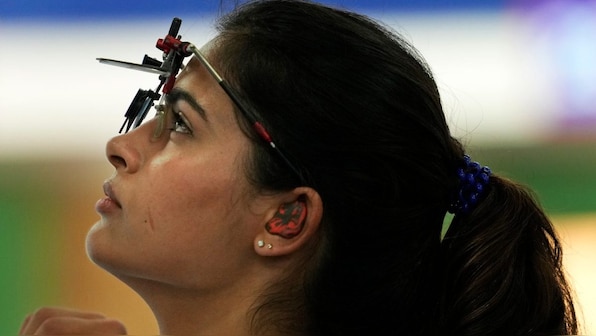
(30, 240)
(562, 174)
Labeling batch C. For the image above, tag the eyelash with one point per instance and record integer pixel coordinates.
(180, 124)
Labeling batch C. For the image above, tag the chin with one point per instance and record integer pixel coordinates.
(99, 248)
(114, 256)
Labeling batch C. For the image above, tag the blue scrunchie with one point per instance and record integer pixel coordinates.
(473, 181)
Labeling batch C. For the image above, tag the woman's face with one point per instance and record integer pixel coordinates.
(179, 208)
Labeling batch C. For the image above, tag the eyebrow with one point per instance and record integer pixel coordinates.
(179, 94)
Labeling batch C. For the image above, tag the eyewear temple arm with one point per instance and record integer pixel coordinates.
(252, 118)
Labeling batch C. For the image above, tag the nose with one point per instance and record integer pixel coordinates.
(127, 152)
(122, 155)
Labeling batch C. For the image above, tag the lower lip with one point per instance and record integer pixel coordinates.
(106, 205)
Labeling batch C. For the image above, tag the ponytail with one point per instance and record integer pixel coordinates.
(502, 269)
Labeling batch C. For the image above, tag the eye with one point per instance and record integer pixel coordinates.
(180, 124)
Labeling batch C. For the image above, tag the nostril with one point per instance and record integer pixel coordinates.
(117, 161)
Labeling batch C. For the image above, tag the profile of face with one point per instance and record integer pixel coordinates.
(179, 209)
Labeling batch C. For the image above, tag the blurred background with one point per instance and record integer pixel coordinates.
(517, 78)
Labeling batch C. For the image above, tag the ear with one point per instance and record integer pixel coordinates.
(295, 223)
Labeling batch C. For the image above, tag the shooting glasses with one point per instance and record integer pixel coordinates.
(174, 52)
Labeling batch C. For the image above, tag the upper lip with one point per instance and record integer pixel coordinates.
(108, 191)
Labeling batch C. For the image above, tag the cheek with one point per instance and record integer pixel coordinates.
(199, 233)
(194, 200)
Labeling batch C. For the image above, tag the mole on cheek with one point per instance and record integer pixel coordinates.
(149, 220)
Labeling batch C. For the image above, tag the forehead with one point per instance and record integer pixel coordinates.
(198, 83)
(192, 71)
(207, 50)
(197, 80)
(196, 68)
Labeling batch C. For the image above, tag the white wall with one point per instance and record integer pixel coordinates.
(499, 80)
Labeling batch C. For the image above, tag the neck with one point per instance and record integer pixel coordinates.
(220, 307)
(183, 311)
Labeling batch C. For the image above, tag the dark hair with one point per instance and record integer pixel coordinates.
(356, 109)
